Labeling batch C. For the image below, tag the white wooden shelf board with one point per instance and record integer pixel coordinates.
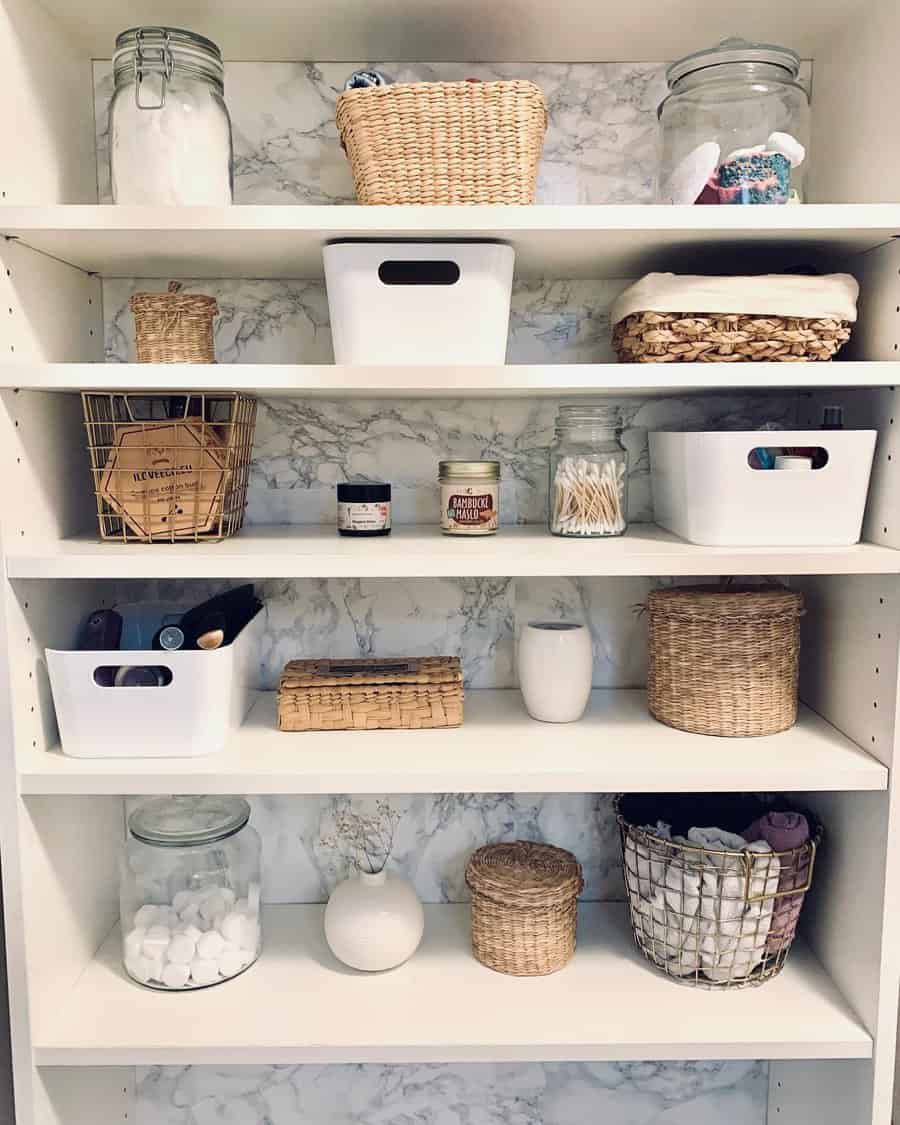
(335, 381)
(554, 240)
(420, 31)
(314, 551)
(443, 1006)
(616, 747)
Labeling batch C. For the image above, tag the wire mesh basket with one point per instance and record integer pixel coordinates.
(169, 467)
(706, 915)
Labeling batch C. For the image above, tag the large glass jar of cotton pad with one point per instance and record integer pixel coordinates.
(735, 127)
(189, 892)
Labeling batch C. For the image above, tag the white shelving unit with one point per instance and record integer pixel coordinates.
(550, 241)
(828, 1023)
(275, 380)
(499, 749)
(106, 1023)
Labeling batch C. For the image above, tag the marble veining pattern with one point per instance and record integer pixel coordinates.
(434, 839)
(287, 321)
(304, 446)
(477, 619)
(600, 145)
(651, 1093)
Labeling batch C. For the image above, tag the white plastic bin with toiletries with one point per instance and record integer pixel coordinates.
(198, 699)
(706, 491)
(419, 303)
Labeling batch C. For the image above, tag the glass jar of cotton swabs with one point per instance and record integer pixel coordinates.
(588, 473)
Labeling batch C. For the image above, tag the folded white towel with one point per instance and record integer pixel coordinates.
(833, 296)
(697, 910)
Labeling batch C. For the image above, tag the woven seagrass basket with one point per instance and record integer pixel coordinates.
(524, 907)
(706, 915)
(724, 660)
(444, 142)
(392, 694)
(655, 337)
(174, 327)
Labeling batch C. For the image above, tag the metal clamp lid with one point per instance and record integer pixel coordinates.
(142, 51)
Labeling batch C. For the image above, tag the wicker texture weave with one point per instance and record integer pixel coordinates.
(724, 661)
(348, 695)
(444, 142)
(654, 337)
(524, 907)
(174, 327)
(710, 917)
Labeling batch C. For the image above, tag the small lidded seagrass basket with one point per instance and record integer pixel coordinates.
(524, 907)
(174, 327)
(724, 660)
(405, 694)
(444, 142)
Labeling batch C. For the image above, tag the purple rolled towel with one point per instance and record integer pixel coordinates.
(784, 832)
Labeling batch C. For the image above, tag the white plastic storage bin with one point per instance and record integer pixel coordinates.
(209, 695)
(419, 303)
(705, 490)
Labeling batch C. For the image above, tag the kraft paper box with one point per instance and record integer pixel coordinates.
(166, 480)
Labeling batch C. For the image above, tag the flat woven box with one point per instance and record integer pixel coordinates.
(524, 907)
(444, 142)
(394, 694)
(724, 661)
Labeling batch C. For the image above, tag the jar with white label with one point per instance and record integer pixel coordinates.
(364, 508)
(470, 497)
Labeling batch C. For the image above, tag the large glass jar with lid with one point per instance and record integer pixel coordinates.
(588, 473)
(189, 892)
(735, 127)
(169, 129)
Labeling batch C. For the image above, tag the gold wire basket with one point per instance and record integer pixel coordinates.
(169, 468)
(710, 917)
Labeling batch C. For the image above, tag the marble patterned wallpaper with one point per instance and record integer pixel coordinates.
(645, 1093)
(600, 145)
(600, 149)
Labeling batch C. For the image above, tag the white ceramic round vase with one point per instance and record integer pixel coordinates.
(556, 664)
(373, 922)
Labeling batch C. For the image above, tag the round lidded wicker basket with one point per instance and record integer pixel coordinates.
(524, 907)
(444, 142)
(656, 337)
(174, 327)
(724, 660)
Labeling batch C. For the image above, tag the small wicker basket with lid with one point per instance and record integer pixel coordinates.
(524, 907)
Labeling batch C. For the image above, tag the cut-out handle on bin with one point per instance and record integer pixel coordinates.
(818, 454)
(132, 675)
(392, 272)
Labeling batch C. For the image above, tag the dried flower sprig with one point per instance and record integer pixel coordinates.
(365, 840)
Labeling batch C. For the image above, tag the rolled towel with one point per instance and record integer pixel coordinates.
(785, 832)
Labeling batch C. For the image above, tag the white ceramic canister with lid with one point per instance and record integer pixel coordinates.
(470, 497)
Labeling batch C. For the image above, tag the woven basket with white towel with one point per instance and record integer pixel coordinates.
(787, 318)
